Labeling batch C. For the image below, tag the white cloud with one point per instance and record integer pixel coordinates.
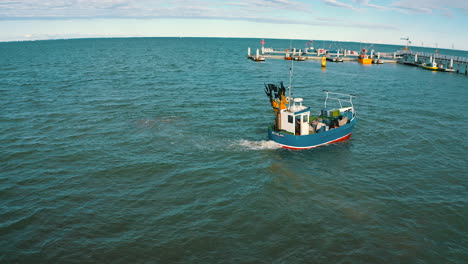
(259, 11)
(366, 3)
(273, 4)
(58, 9)
(144, 8)
(430, 6)
(339, 4)
(448, 8)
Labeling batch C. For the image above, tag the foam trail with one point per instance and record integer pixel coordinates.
(259, 145)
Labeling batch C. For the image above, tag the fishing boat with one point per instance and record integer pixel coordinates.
(405, 62)
(364, 58)
(299, 58)
(257, 59)
(335, 59)
(442, 68)
(296, 128)
(432, 66)
(448, 70)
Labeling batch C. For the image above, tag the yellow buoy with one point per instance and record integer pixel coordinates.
(324, 61)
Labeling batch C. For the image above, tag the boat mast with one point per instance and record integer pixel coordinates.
(290, 81)
(290, 78)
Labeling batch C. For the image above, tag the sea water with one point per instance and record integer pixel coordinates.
(155, 150)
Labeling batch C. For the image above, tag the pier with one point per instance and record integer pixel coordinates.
(346, 55)
(446, 62)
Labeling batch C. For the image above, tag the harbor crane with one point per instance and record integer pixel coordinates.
(407, 42)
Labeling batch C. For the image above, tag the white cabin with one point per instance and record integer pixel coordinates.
(297, 116)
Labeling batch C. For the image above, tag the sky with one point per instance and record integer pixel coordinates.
(428, 23)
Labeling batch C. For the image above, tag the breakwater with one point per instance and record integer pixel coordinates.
(454, 63)
(446, 63)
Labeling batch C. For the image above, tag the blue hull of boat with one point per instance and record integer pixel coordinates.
(312, 140)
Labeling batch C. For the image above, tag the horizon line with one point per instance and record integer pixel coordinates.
(258, 38)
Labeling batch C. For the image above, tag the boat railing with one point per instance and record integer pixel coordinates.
(339, 97)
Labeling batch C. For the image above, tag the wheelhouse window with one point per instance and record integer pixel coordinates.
(305, 118)
(290, 119)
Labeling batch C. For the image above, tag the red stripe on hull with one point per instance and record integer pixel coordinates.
(333, 141)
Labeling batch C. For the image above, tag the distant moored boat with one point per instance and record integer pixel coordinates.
(364, 58)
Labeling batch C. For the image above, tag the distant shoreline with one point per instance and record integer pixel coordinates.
(256, 39)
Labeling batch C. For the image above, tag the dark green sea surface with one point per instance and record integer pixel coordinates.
(155, 150)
